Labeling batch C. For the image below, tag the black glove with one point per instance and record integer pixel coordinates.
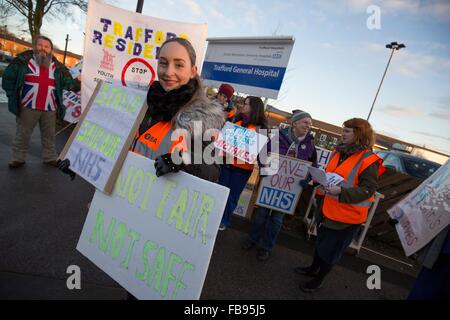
(164, 165)
(64, 167)
(393, 222)
(303, 183)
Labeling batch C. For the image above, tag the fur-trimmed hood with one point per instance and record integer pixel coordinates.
(201, 111)
(186, 108)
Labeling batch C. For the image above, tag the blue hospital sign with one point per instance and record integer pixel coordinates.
(248, 75)
(254, 66)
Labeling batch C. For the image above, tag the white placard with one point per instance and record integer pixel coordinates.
(72, 103)
(323, 157)
(154, 236)
(240, 142)
(75, 71)
(124, 46)
(100, 137)
(424, 212)
(281, 191)
(325, 178)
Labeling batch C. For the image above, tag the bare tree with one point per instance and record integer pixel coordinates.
(35, 10)
(5, 12)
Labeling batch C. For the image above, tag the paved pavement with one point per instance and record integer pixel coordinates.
(42, 214)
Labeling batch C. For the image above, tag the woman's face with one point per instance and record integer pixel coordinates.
(348, 136)
(174, 66)
(246, 108)
(302, 126)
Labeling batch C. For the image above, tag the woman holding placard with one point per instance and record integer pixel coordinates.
(176, 102)
(236, 174)
(342, 209)
(297, 142)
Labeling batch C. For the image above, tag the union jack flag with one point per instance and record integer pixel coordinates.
(39, 87)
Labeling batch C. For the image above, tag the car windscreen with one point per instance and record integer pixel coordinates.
(419, 168)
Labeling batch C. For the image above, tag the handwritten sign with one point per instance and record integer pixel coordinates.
(281, 191)
(325, 178)
(99, 143)
(72, 103)
(424, 212)
(75, 71)
(243, 203)
(124, 46)
(240, 142)
(154, 236)
(323, 157)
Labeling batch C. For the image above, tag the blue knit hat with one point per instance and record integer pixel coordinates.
(299, 115)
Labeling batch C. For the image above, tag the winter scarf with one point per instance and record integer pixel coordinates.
(347, 150)
(163, 105)
(294, 138)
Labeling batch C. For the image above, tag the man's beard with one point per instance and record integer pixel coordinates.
(42, 58)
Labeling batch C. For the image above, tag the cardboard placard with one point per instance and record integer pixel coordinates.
(99, 143)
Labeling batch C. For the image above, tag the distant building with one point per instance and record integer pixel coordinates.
(11, 46)
(327, 136)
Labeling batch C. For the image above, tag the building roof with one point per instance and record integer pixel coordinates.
(381, 139)
(28, 44)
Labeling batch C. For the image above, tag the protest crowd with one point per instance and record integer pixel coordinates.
(218, 136)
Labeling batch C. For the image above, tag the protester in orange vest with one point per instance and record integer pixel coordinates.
(176, 101)
(236, 175)
(343, 208)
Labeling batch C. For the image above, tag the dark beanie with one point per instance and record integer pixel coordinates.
(299, 115)
(227, 90)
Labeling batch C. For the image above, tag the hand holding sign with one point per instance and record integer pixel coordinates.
(64, 166)
(333, 190)
(98, 145)
(164, 165)
(160, 231)
(325, 178)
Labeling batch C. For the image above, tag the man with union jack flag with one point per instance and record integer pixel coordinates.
(34, 82)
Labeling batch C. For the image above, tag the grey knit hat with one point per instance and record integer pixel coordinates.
(299, 115)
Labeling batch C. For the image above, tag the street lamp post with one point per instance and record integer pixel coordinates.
(65, 50)
(393, 46)
(140, 4)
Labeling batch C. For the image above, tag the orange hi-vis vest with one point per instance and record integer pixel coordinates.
(231, 114)
(157, 140)
(350, 169)
(238, 163)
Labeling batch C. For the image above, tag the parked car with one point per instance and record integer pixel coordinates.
(407, 163)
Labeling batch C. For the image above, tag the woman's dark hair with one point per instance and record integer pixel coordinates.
(257, 114)
(186, 44)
